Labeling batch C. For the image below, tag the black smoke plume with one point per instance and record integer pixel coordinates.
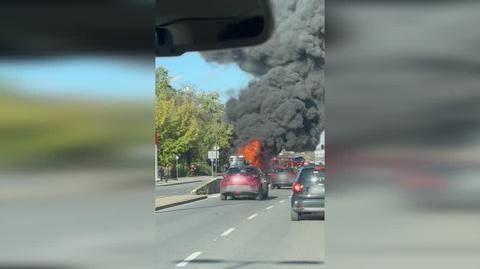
(284, 105)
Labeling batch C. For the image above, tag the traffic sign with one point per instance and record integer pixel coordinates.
(213, 154)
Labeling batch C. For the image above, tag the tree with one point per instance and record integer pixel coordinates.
(176, 123)
(213, 128)
(188, 123)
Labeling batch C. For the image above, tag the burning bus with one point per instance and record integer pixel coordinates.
(237, 161)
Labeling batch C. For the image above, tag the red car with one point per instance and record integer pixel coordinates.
(320, 167)
(244, 181)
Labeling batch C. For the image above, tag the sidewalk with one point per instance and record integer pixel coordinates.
(182, 180)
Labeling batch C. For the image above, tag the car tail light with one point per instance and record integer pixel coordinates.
(297, 187)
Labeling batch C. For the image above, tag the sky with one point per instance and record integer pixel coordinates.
(116, 78)
(190, 69)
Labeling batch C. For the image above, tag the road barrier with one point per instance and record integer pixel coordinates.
(170, 201)
(210, 187)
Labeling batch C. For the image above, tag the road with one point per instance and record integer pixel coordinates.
(238, 234)
(161, 191)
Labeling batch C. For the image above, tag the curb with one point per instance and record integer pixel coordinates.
(176, 183)
(193, 199)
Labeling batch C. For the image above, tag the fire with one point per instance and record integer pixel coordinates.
(252, 152)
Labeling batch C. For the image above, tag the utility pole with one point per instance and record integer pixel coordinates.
(156, 158)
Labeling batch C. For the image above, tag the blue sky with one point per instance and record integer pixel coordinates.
(191, 69)
(115, 78)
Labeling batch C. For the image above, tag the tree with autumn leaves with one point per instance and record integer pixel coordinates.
(188, 124)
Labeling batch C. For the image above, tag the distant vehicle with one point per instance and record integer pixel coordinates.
(244, 181)
(308, 193)
(298, 161)
(282, 177)
(237, 161)
(320, 167)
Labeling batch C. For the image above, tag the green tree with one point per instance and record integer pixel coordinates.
(176, 120)
(188, 123)
(214, 130)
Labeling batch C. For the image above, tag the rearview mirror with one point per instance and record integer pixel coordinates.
(197, 25)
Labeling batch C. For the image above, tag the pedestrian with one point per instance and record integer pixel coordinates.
(191, 170)
(161, 172)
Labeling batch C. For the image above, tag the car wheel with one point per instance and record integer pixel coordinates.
(294, 215)
(322, 217)
(259, 195)
(223, 196)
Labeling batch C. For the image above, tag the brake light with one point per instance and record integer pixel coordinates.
(297, 187)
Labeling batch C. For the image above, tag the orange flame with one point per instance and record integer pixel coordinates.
(253, 152)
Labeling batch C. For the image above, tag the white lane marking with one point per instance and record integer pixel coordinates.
(214, 195)
(252, 216)
(270, 207)
(190, 258)
(227, 232)
(281, 201)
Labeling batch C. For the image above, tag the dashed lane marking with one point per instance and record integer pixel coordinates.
(227, 232)
(188, 259)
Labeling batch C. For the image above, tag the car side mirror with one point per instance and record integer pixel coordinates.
(193, 25)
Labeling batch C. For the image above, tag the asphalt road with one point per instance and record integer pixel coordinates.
(186, 188)
(238, 234)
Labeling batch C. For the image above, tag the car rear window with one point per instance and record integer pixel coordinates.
(311, 176)
(279, 170)
(243, 170)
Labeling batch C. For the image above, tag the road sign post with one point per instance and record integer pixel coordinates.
(213, 156)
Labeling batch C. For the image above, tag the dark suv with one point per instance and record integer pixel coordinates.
(308, 193)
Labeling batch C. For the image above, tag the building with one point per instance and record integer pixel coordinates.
(320, 150)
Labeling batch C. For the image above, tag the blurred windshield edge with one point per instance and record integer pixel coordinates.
(402, 103)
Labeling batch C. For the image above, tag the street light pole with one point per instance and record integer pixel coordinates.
(215, 149)
(176, 166)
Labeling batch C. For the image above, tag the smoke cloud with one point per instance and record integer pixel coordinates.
(284, 105)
